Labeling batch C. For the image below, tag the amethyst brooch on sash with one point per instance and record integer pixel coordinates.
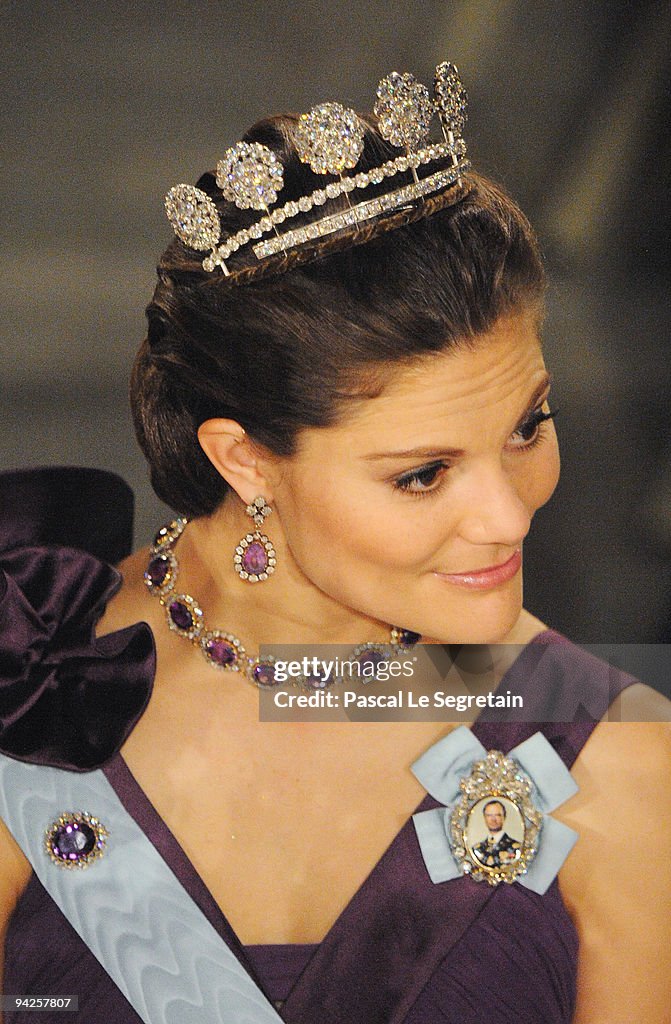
(75, 839)
(495, 824)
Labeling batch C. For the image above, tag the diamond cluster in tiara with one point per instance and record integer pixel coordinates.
(250, 175)
(404, 109)
(330, 139)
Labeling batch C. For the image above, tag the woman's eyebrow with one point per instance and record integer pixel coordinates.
(456, 453)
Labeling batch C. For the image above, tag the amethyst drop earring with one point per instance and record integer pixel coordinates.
(255, 558)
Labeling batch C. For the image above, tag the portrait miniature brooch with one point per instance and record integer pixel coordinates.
(495, 822)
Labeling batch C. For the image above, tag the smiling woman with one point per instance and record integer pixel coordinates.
(484, 402)
(351, 419)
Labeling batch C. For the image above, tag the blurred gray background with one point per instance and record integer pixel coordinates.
(105, 106)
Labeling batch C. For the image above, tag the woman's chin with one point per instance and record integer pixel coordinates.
(492, 626)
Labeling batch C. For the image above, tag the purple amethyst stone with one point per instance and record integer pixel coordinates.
(407, 638)
(255, 558)
(73, 842)
(371, 657)
(316, 682)
(264, 674)
(221, 652)
(180, 615)
(157, 570)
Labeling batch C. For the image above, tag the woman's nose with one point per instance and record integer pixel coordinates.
(493, 511)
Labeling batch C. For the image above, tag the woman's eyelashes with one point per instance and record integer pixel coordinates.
(532, 427)
(422, 482)
(421, 478)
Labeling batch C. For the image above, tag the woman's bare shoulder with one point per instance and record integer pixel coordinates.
(15, 869)
(129, 605)
(638, 748)
(639, 703)
(615, 882)
(14, 874)
(625, 763)
(623, 773)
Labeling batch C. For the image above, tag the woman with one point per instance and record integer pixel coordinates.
(378, 384)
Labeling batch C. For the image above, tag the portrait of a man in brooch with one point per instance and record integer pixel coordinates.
(498, 848)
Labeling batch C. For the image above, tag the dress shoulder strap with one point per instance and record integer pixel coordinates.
(566, 691)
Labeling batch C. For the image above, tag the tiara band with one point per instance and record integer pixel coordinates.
(332, 191)
(330, 139)
(361, 212)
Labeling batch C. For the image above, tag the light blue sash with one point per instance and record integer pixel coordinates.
(128, 906)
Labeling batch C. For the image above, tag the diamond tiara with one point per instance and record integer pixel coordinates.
(330, 139)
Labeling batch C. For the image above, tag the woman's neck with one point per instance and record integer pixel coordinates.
(287, 608)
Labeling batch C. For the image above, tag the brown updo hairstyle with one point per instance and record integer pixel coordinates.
(293, 349)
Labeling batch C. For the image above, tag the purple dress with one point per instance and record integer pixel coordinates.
(404, 949)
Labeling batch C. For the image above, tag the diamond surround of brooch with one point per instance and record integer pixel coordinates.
(495, 779)
(75, 840)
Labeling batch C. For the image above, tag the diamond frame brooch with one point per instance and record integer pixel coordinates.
(495, 779)
(529, 782)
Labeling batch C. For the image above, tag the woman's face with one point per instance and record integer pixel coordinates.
(382, 529)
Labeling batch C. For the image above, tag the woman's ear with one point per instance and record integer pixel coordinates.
(235, 458)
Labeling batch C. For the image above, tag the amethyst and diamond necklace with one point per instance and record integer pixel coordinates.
(254, 557)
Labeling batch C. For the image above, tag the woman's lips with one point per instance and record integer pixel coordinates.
(483, 579)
